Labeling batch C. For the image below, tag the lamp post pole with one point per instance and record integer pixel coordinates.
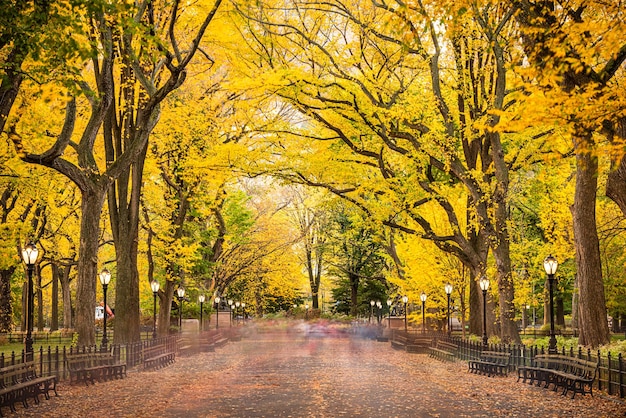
(371, 310)
(217, 312)
(105, 278)
(405, 300)
(29, 254)
(201, 299)
(423, 299)
(550, 265)
(379, 312)
(389, 302)
(448, 289)
(155, 291)
(236, 309)
(181, 295)
(243, 312)
(484, 286)
(230, 307)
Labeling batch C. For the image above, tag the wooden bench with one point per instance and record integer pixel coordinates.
(564, 372)
(19, 382)
(89, 367)
(214, 340)
(157, 356)
(444, 350)
(410, 343)
(491, 363)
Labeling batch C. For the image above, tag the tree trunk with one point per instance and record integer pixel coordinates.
(38, 293)
(559, 311)
(6, 308)
(508, 328)
(575, 304)
(354, 294)
(166, 295)
(54, 308)
(66, 297)
(594, 329)
(91, 207)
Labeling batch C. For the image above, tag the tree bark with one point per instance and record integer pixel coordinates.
(575, 303)
(594, 329)
(54, 308)
(6, 308)
(91, 208)
(66, 297)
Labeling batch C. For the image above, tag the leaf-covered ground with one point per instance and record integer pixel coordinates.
(285, 375)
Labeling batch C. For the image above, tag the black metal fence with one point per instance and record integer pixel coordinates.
(611, 368)
(51, 361)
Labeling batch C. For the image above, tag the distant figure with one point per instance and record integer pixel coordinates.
(109, 312)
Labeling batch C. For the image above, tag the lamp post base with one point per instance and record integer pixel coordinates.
(552, 345)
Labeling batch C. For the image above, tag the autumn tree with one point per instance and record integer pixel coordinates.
(377, 87)
(141, 46)
(576, 81)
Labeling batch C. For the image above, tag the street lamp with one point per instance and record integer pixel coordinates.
(29, 254)
(105, 278)
(181, 294)
(372, 303)
(484, 286)
(423, 299)
(236, 309)
(550, 265)
(379, 311)
(243, 312)
(201, 299)
(217, 312)
(448, 289)
(155, 290)
(405, 300)
(230, 308)
(389, 302)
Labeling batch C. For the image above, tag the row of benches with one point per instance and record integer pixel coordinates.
(442, 350)
(205, 342)
(563, 372)
(569, 374)
(19, 383)
(89, 367)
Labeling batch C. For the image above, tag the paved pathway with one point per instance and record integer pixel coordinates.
(286, 375)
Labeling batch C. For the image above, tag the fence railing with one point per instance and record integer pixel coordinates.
(611, 368)
(51, 361)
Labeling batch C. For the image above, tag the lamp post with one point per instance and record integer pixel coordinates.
(105, 278)
(236, 309)
(217, 312)
(484, 286)
(155, 290)
(181, 294)
(389, 302)
(201, 299)
(29, 254)
(405, 300)
(243, 312)
(423, 299)
(230, 307)
(372, 303)
(448, 289)
(379, 312)
(550, 265)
